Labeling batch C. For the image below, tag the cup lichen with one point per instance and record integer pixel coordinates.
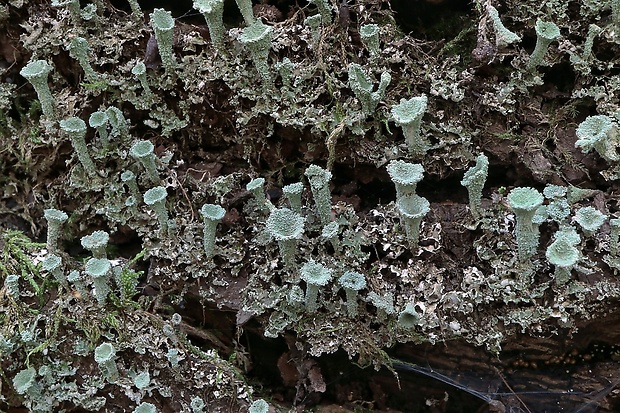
(76, 130)
(99, 271)
(144, 152)
(405, 177)
(163, 26)
(156, 199)
(99, 120)
(412, 210)
(257, 38)
(546, 32)
(213, 12)
(525, 202)
(369, 33)
(362, 87)
(315, 275)
(352, 282)
(286, 227)
(319, 185)
(408, 114)
(105, 357)
(55, 218)
(212, 215)
(474, 181)
(36, 72)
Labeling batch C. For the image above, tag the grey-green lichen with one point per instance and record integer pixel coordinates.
(408, 114)
(55, 218)
(105, 356)
(99, 269)
(156, 199)
(370, 36)
(75, 128)
(213, 112)
(144, 152)
(363, 87)
(405, 177)
(600, 133)
(589, 219)
(245, 6)
(315, 275)
(474, 181)
(79, 49)
(293, 194)
(412, 209)
(139, 71)
(319, 184)
(563, 254)
(257, 38)
(211, 215)
(213, 12)
(96, 243)
(37, 72)
(99, 120)
(503, 36)
(163, 26)
(546, 32)
(525, 202)
(286, 227)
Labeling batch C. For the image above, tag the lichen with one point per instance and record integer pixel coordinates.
(208, 122)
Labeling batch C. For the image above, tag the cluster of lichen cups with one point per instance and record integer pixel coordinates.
(285, 225)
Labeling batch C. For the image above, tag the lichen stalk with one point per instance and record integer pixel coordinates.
(370, 36)
(52, 264)
(36, 72)
(546, 32)
(312, 294)
(319, 185)
(163, 25)
(474, 181)
(330, 232)
(139, 71)
(136, 11)
(118, 122)
(129, 178)
(245, 7)
(257, 38)
(293, 194)
(412, 210)
(99, 121)
(525, 202)
(212, 216)
(209, 237)
(286, 227)
(55, 218)
(408, 115)
(105, 356)
(362, 87)
(76, 129)
(288, 248)
(213, 12)
(143, 151)
(99, 271)
(503, 36)
(156, 199)
(315, 275)
(78, 49)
